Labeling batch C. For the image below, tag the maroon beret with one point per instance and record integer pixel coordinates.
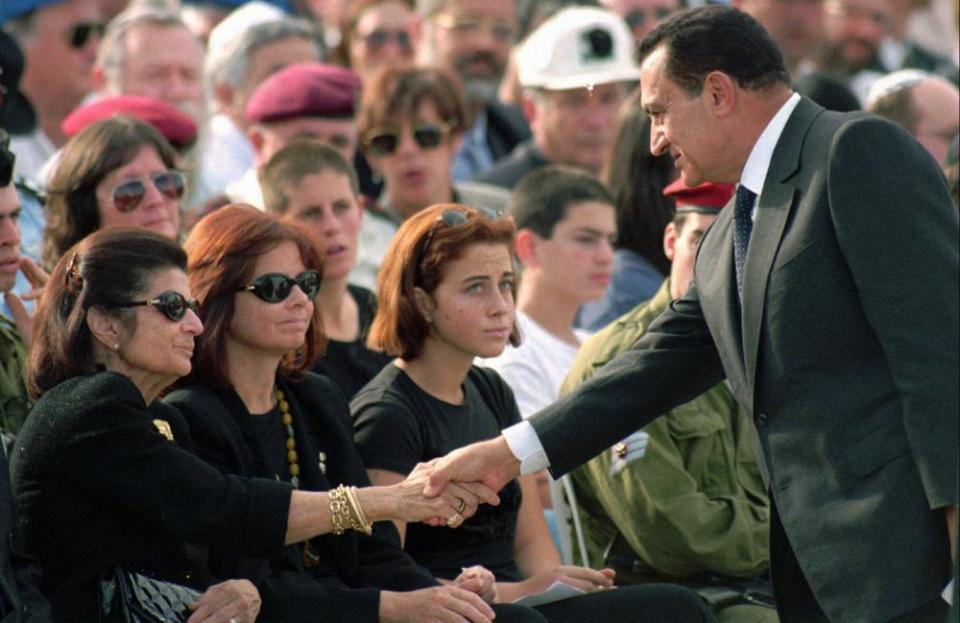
(305, 90)
(707, 198)
(175, 125)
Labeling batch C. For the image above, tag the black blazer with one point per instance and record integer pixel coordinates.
(346, 585)
(506, 128)
(845, 356)
(20, 598)
(97, 485)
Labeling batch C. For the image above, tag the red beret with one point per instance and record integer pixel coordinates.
(175, 125)
(305, 90)
(706, 198)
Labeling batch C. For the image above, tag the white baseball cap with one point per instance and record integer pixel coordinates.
(578, 47)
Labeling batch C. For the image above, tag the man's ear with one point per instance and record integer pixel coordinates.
(98, 78)
(424, 304)
(255, 134)
(529, 108)
(526, 245)
(720, 92)
(104, 327)
(670, 235)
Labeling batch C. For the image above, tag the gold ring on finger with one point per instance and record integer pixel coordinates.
(461, 506)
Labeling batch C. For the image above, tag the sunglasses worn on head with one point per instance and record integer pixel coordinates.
(379, 38)
(80, 34)
(173, 305)
(128, 196)
(276, 287)
(455, 217)
(383, 142)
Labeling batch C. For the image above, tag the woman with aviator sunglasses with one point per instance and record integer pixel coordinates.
(254, 410)
(119, 172)
(446, 297)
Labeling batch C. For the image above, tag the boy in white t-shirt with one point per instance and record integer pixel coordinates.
(566, 227)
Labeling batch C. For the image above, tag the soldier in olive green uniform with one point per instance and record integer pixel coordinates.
(13, 396)
(683, 500)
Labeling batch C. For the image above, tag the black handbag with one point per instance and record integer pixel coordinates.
(130, 597)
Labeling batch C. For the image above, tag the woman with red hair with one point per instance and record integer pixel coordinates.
(255, 410)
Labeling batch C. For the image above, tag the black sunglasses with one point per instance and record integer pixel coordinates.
(173, 305)
(276, 287)
(383, 142)
(128, 196)
(80, 34)
(379, 38)
(638, 17)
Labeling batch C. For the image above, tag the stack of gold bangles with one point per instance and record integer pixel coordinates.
(345, 511)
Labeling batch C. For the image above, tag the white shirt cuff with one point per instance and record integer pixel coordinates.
(525, 445)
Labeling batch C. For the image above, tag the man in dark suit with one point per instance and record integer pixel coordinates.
(827, 295)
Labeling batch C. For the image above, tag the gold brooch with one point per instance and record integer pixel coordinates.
(620, 450)
(164, 428)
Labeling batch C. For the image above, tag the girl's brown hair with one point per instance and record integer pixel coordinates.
(421, 249)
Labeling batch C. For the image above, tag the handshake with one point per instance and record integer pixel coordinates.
(448, 490)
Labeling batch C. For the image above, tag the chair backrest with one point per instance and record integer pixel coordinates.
(567, 514)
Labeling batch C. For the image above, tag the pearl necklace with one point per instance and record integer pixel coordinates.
(287, 420)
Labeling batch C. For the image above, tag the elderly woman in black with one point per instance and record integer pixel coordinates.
(100, 477)
(253, 410)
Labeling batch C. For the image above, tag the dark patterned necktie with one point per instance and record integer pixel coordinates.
(742, 226)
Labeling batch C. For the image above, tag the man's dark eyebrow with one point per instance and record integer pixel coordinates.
(589, 230)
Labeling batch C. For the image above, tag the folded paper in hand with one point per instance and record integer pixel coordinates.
(556, 592)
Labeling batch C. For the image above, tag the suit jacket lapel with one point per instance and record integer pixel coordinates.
(773, 210)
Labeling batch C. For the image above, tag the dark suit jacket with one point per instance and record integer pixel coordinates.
(506, 128)
(845, 356)
(509, 170)
(353, 567)
(20, 598)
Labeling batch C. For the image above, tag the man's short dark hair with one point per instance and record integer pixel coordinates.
(716, 38)
(542, 197)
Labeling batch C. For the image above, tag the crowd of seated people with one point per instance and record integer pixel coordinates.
(263, 262)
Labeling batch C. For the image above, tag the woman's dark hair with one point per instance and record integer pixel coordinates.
(106, 269)
(223, 249)
(399, 329)
(716, 38)
(396, 92)
(636, 179)
(87, 158)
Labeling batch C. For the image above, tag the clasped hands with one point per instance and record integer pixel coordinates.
(454, 485)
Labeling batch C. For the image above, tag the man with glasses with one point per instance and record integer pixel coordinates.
(576, 70)
(150, 52)
(472, 39)
(59, 39)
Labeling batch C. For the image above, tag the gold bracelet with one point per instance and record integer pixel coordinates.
(361, 525)
(339, 510)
